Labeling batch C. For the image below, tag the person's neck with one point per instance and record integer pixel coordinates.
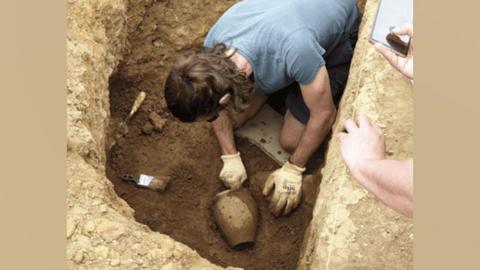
(241, 62)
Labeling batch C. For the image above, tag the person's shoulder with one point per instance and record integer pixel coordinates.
(298, 38)
(300, 32)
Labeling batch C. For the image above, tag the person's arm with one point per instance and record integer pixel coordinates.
(318, 98)
(229, 119)
(223, 129)
(362, 146)
(238, 119)
(288, 179)
(391, 181)
(233, 172)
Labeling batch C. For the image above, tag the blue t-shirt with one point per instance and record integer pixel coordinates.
(286, 40)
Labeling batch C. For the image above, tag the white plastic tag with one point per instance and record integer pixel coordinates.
(145, 180)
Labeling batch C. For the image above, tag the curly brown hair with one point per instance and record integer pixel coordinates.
(200, 77)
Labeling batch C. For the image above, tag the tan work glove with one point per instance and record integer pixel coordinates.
(233, 173)
(288, 188)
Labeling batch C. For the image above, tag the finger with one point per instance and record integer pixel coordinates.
(235, 184)
(406, 29)
(289, 206)
(382, 49)
(280, 205)
(378, 129)
(298, 199)
(391, 57)
(238, 181)
(243, 177)
(268, 185)
(363, 121)
(341, 136)
(350, 126)
(274, 201)
(221, 176)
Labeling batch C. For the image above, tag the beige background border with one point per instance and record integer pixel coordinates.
(32, 142)
(32, 134)
(447, 134)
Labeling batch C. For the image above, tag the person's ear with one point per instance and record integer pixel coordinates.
(224, 100)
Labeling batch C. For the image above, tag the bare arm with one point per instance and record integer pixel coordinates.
(224, 131)
(229, 120)
(362, 146)
(390, 180)
(240, 118)
(318, 98)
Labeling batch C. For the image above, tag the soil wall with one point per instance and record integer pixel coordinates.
(101, 230)
(350, 229)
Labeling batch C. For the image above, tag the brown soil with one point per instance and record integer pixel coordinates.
(188, 153)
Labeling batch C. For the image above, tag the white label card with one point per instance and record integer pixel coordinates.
(145, 180)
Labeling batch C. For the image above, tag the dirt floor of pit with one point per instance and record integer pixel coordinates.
(190, 155)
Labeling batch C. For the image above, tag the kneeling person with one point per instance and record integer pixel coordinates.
(255, 49)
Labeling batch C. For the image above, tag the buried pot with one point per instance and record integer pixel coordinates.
(235, 213)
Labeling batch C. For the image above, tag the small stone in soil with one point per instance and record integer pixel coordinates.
(157, 43)
(157, 121)
(147, 129)
(262, 140)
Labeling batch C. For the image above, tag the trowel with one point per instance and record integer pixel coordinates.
(263, 130)
(122, 126)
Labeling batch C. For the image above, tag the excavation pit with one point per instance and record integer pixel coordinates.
(189, 155)
(121, 226)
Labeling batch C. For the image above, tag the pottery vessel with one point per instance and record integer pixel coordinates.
(235, 213)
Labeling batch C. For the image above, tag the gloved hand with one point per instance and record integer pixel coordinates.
(288, 188)
(233, 173)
